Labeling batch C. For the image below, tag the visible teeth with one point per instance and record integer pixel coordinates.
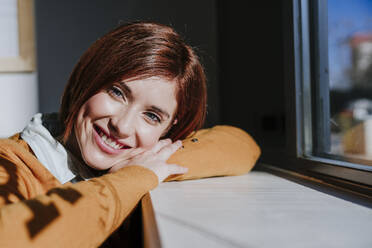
(110, 142)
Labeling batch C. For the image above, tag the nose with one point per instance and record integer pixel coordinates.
(122, 125)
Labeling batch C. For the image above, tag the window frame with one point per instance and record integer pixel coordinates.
(26, 60)
(304, 46)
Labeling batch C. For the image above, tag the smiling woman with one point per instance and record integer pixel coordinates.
(113, 124)
(129, 120)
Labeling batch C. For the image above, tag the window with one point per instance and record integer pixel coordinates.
(350, 79)
(328, 77)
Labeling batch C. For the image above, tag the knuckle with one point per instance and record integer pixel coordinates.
(165, 141)
(166, 150)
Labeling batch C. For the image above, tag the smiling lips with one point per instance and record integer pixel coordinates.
(107, 143)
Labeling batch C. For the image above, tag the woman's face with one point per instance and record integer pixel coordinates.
(128, 115)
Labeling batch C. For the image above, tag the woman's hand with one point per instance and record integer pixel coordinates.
(155, 159)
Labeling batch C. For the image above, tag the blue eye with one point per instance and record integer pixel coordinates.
(116, 91)
(153, 117)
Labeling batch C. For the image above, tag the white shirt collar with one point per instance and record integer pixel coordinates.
(50, 152)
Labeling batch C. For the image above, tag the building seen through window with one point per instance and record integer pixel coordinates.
(350, 78)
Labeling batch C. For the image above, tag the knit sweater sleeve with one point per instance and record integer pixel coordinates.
(218, 151)
(73, 215)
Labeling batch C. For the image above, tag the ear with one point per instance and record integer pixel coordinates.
(175, 122)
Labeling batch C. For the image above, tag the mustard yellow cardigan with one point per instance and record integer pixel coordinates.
(38, 211)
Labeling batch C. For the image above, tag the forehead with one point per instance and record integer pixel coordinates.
(151, 84)
(154, 91)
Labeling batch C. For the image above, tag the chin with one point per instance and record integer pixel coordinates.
(97, 162)
(97, 167)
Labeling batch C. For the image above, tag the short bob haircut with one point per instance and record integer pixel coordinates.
(133, 51)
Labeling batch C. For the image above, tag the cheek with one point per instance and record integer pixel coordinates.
(79, 129)
(98, 106)
(148, 136)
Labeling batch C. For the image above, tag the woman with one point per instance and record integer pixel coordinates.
(72, 179)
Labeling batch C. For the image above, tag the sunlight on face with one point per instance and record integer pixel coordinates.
(128, 115)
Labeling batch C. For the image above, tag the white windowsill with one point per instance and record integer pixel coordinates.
(256, 210)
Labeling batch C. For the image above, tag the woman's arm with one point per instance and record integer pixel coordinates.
(217, 151)
(74, 215)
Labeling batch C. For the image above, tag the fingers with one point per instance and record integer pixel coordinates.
(137, 151)
(166, 151)
(121, 162)
(155, 159)
(176, 169)
(160, 145)
(167, 170)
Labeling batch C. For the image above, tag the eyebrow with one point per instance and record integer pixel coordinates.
(153, 107)
(127, 90)
(162, 112)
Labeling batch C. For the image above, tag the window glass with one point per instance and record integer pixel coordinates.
(350, 78)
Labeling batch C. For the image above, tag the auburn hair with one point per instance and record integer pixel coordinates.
(139, 50)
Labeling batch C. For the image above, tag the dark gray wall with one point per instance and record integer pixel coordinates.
(251, 74)
(241, 47)
(65, 29)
